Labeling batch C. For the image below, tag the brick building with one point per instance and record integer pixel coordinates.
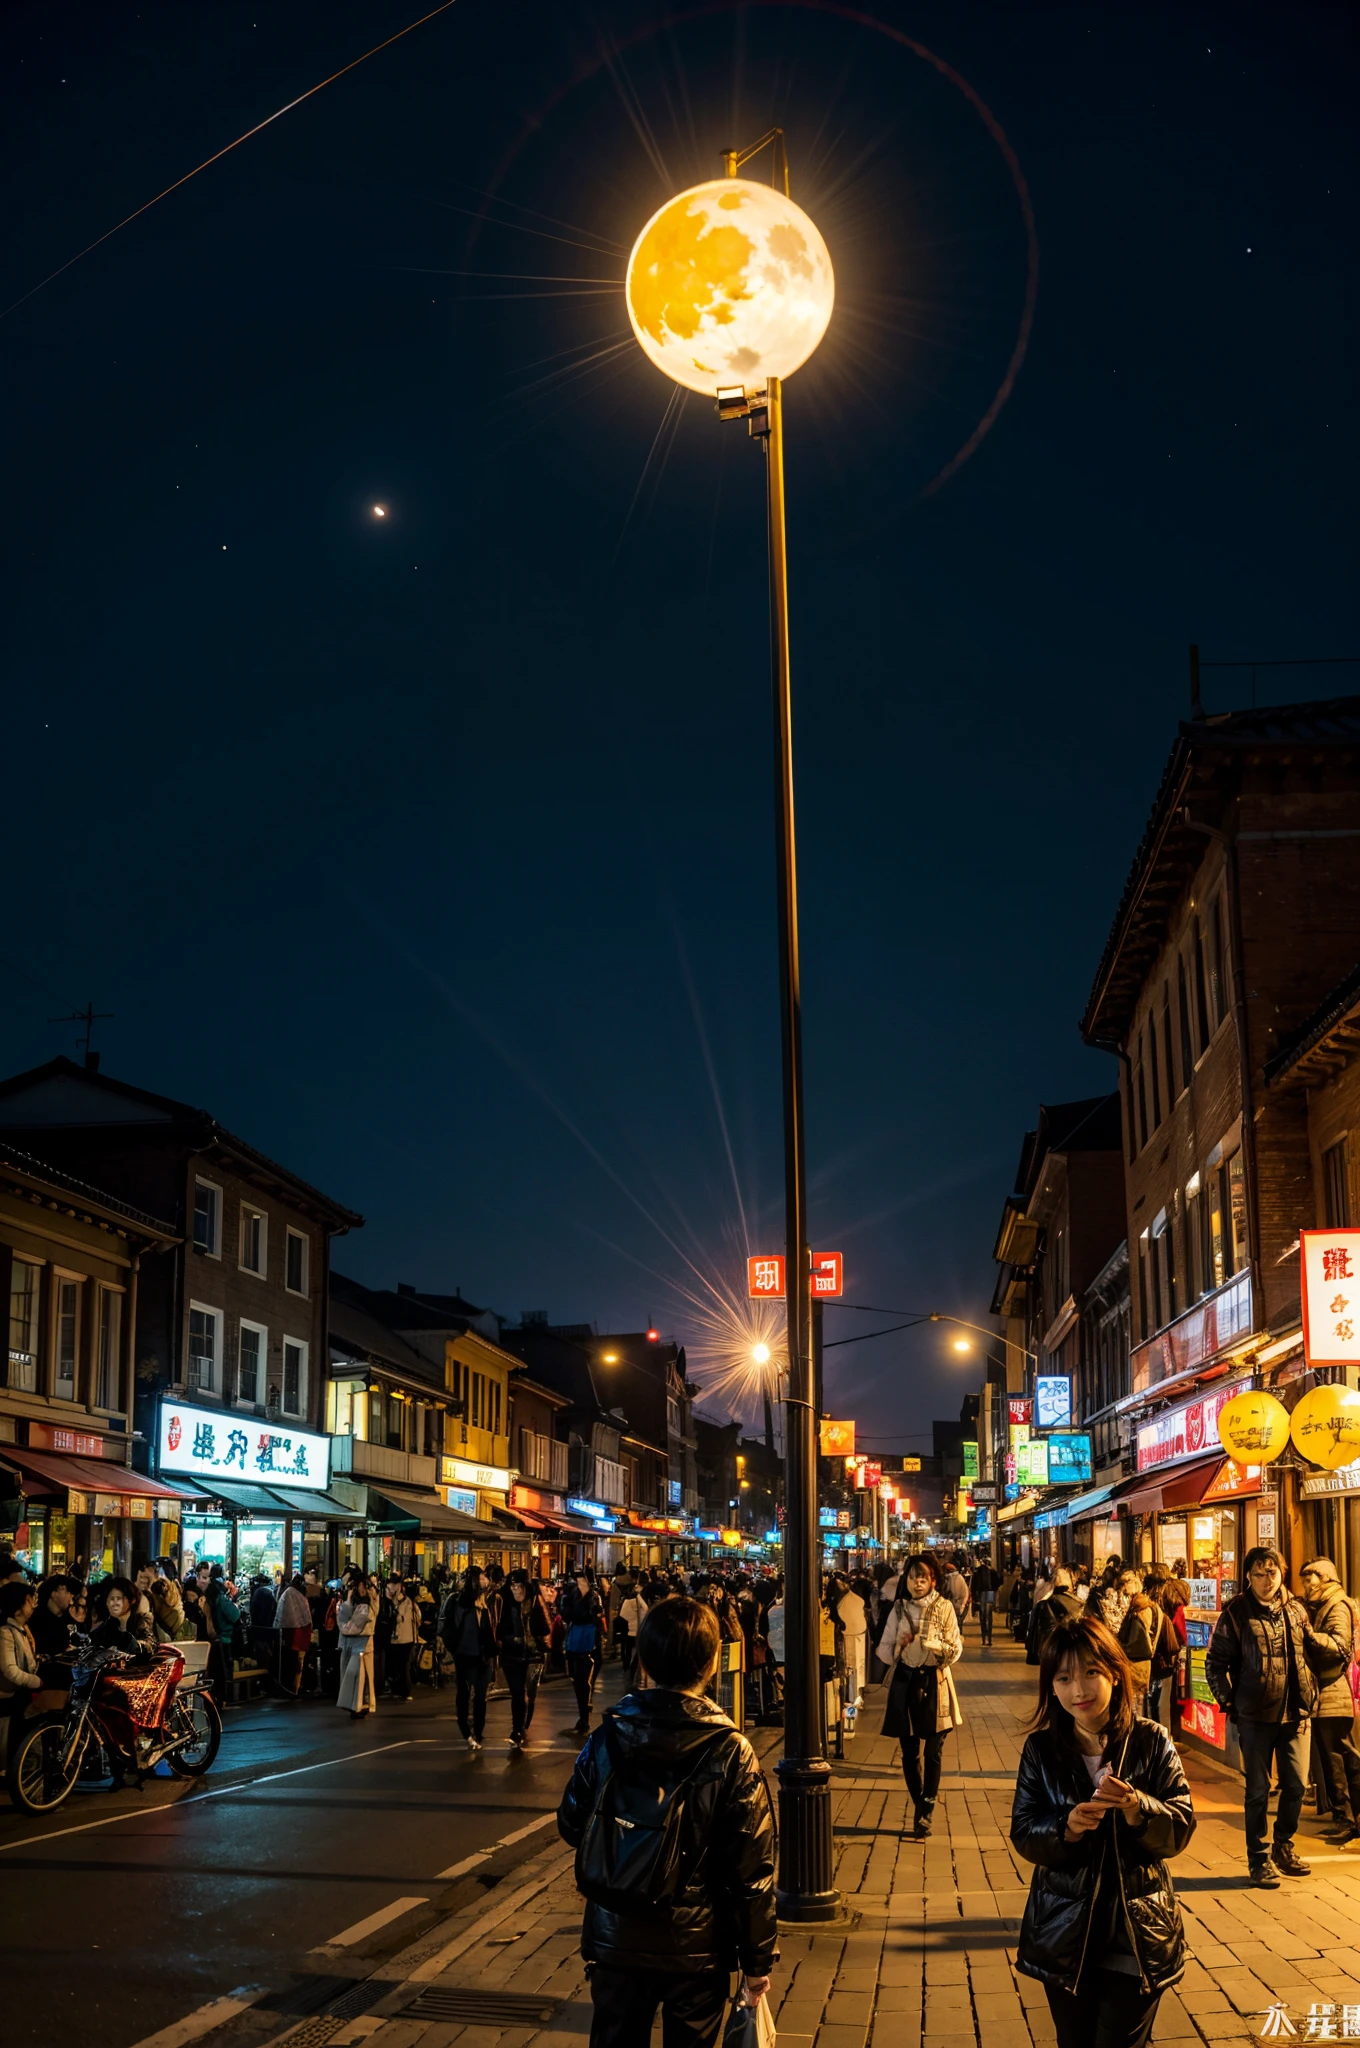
(234, 1319)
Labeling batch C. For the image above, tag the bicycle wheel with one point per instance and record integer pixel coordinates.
(198, 1709)
(40, 1771)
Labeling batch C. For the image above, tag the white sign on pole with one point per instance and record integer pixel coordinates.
(217, 1443)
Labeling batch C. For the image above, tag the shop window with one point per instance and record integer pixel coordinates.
(254, 1235)
(347, 1405)
(377, 1417)
(254, 1358)
(25, 1289)
(295, 1277)
(204, 1346)
(294, 1377)
(1237, 1210)
(1336, 1200)
(495, 1407)
(207, 1218)
(108, 1365)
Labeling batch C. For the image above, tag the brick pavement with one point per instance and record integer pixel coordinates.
(925, 1957)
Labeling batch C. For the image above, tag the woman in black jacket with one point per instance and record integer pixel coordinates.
(522, 1639)
(1100, 1803)
(583, 1612)
(471, 1642)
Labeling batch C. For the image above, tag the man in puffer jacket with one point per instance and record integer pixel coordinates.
(667, 1743)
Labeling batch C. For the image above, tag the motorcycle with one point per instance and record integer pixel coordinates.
(141, 1707)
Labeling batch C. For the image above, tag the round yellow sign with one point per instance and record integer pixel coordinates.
(1325, 1426)
(1253, 1428)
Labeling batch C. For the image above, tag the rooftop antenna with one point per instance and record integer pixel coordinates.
(89, 1017)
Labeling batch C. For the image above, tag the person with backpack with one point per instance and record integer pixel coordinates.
(674, 1833)
(583, 1613)
(1332, 1617)
(1166, 1643)
(1060, 1603)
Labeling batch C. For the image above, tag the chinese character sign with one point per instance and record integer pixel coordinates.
(765, 1278)
(212, 1443)
(837, 1439)
(970, 1460)
(1018, 1409)
(828, 1274)
(1330, 1275)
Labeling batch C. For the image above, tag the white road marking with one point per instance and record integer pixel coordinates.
(484, 1855)
(362, 1928)
(198, 1799)
(196, 2024)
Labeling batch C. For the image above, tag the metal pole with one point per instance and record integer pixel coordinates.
(805, 1890)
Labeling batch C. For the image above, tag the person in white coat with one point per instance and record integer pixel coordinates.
(921, 1641)
(853, 1617)
(632, 1613)
(357, 1617)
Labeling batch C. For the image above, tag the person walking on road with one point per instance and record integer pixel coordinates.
(403, 1635)
(920, 1643)
(1333, 1618)
(471, 1642)
(522, 1639)
(956, 1586)
(293, 1620)
(1259, 1668)
(1139, 1634)
(984, 1589)
(1060, 1603)
(1101, 1802)
(583, 1613)
(632, 1614)
(356, 1617)
(671, 1910)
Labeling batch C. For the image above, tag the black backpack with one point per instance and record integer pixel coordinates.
(630, 1855)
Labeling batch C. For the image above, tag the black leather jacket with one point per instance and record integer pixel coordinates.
(1247, 1674)
(1079, 1887)
(724, 1916)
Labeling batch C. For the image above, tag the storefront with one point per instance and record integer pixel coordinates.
(81, 1510)
(256, 1495)
(661, 1540)
(566, 1533)
(411, 1529)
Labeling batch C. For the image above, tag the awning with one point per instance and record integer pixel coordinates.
(564, 1525)
(1083, 1507)
(58, 1472)
(1181, 1487)
(411, 1510)
(1016, 1508)
(317, 1507)
(250, 1500)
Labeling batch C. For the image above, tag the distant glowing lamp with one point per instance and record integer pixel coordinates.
(611, 1357)
(380, 511)
(728, 285)
(963, 1344)
(654, 1336)
(761, 1353)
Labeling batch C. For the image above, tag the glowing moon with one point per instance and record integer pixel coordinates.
(380, 511)
(730, 283)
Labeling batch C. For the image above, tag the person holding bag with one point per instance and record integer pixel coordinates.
(921, 1641)
(1101, 1802)
(674, 1833)
(356, 1617)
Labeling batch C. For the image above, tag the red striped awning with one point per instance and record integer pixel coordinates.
(57, 1472)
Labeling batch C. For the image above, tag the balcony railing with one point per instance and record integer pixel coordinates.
(1195, 1336)
(352, 1457)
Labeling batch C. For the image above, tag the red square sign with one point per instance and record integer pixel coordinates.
(765, 1278)
(828, 1273)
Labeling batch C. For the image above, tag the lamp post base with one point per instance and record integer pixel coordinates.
(805, 1891)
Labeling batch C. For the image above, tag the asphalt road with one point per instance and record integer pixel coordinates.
(314, 1844)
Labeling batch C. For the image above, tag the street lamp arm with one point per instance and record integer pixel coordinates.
(921, 1315)
(733, 159)
(869, 1335)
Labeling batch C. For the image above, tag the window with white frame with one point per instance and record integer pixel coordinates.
(253, 1358)
(208, 1218)
(294, 1376)
(25, 1296)
(108, 1357)
(65, 1336)
(254, 1239)
(205, 1348)
(295, 1262)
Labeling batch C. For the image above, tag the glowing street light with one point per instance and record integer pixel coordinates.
(729, 290)
(760, 1354)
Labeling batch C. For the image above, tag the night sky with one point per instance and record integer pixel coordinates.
(432, 852)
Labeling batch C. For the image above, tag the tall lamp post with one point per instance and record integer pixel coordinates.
(730, 289)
